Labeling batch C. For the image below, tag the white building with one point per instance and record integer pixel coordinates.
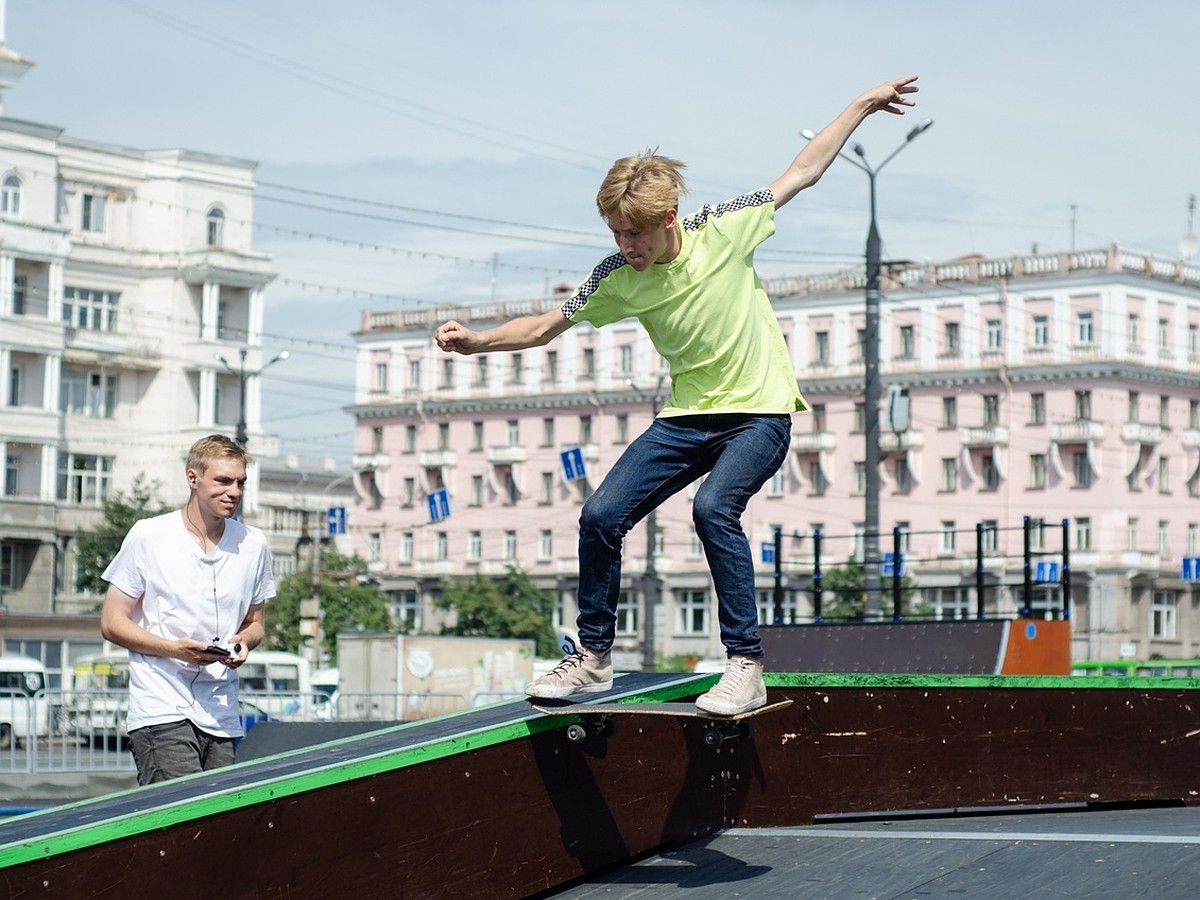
(1054, 387)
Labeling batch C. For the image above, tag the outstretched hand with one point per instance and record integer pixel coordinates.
(891, 96)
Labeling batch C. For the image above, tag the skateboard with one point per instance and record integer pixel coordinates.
(598, 718)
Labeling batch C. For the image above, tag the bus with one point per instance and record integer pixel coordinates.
(1138, 668)
(24, 709)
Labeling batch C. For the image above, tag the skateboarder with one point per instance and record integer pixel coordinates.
(690, 281)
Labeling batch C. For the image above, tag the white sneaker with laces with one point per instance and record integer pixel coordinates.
(582, 672)
(740, 689)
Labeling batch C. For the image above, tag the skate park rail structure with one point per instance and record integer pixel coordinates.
(495, 802)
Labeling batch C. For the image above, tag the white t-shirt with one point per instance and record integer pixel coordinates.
(184, 593)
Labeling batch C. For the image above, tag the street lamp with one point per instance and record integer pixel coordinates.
(1188, 244)
(650, 585)
(871, 394)
(243, 376)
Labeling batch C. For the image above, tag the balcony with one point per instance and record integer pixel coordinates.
(813, 442)
(374, 461)
(1081, 431)
(506, 455)
(985, 436)
(1137, 433)
(894, 442)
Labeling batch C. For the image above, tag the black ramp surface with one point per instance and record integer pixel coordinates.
(1098, 855)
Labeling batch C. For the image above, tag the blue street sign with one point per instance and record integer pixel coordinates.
(1191, 568)
(439, 505)
(889, 565)
(335, 521)
(768, 551)
(574, 468)
(1045, 572)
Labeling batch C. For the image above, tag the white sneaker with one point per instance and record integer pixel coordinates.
(581, 672)
(740, 689)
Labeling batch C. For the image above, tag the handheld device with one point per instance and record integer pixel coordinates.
(223, 648)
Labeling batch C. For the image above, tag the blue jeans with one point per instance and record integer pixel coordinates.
(738, 453)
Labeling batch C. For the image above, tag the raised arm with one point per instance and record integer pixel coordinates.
(818, 154)
(515, 334)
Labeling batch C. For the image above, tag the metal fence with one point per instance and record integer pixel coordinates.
(84, 731)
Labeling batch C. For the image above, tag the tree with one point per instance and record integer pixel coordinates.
(96, 549)
(350, 601)
(843, 596)
(511, 608)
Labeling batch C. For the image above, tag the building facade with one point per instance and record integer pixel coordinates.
(1061, 388)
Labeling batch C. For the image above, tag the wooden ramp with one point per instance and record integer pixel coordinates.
(497, 803)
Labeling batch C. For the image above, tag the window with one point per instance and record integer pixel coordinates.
(407, 610)
(474, 546)
(1037, 534)
(622, 423)
(821, 347)
(991, 536)
(950, 603)
(1164, 475)
(516, 369)
(1037, 409)
(817, 411)
(1084, 332)
(215, 227)
(476, 490)
(381, 376)
(1164, 334)
(1041, 331)
(908, 342)
(476, 435)
(1193, 538)
(90, 310)
(481, 371)
(443, 438)
(1083, 406)
(951, 345)
(550, 373)
(1164, 530)
(410, 438)
(1131, 533)
(1194, 414)
(1037, 470)
(546, 497)
(514, 432)
(93, 213)
(408, 492)
(946, 538)
(374, 547)
(588, 363)
(377, 439)
(14, 386)
(510, 545)
(1162, 614)
(692, 609)
(1132, 328)
(1131, 407)
(1193, 338)
(994, 336)
(949, 473)
(776, 485)
(12, 472)
(1082, 469)
(991, 410)
(87, 393)
(902, 476)
(860, 417)
(406, 546)
(816, 479)
(991, 473)
(860, 478)
(860, 344)
(10, 197)
(414, 374)
(547, 432)
(20, 289)
(441, 547)
(1164, 412)
(1083, 533)
(546, 545)
(625, 360)
(585, 429)
(447, 374)
(949, 412)
(84, 479)
(627, 613)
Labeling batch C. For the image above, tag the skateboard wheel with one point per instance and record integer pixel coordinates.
(576, 733)
(713, 737)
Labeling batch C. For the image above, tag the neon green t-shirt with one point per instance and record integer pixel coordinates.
(705, 311)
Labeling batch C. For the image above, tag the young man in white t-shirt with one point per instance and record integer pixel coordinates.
(185, 597)
(690, 281)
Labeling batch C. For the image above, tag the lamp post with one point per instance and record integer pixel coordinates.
(1188, 244)
(310, 609)
(243, 375)
(871, 393)
(650, 586)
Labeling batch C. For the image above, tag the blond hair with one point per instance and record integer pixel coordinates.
(641, 190)
(213, 447)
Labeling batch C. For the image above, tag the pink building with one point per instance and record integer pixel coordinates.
(1054, 387)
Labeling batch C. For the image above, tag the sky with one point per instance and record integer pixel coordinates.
(415, 154)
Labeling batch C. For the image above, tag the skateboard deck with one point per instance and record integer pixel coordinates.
(598, 717)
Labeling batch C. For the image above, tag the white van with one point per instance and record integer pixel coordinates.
(24, 709)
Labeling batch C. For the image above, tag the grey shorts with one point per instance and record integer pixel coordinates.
(179, 748)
